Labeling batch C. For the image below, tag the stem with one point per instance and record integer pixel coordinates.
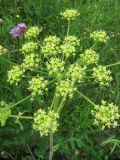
(61, 104)
(24, 99)
(51, 145)
(68, 29)
(31, 152)
(22, 117)
(88, 99)
(114, 64)
(6, 60)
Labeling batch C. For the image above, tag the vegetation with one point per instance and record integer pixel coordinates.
(59, 83)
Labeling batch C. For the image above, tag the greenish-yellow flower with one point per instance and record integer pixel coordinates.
(69, 14)
(89, 57)
(99, 36)
(29, 47)
(31, 61)
(102, 75)
(15, 75)
(76, 73)
(45, 122)
(68, 50)
(106, 115)
(37, 86)
(5, 113)
(33, 32)
(55, 67)
(71, 40)
(65, 88)
(50, 46)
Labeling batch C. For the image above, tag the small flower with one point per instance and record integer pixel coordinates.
(1, 50)
(17, 16)
(89, 57)
(37, 86)
(99, 36)
(5, 113)
(55, 67)
(22, 27)
(76, 73)
(45, 122)
(68, 50)
(15, 33)
(31, 61)
(70, 14)
(102, 75)
(18, 31)
(71, 40)
(106, 115)
(29, 47)
(64, 88)
(1, 21)
(50, 46)
(33, 32)
(15, 75)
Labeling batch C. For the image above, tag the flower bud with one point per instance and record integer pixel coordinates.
(1, 21)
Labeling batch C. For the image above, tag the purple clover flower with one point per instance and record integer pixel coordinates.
(22, 26)
(18, 31)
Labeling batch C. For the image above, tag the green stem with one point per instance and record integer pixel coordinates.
(93, 45)
(24, 99)
(68, 28)
(114, 64)
(6, 60)
(51, 145)
(31, 152)
(52, 105)
(61, 105)
(21, 117)
(85, 97)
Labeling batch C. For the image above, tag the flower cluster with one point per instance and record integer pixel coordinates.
(37, 85)
(31, 61)
(15, 75)
(50, 46)
(64, 88)
(89, 57)
(18, 31)
(106, 115)
(55, 66)
(76, 73)
(102, 75)
(33, 32)
(99, 36)
(72, 40)
(1, 50)
(70, 14)
(5, 113)
(68, 47)
(68, 50)
(28, 47)
(45, 122)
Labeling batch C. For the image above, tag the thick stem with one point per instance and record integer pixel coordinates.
(51, 145)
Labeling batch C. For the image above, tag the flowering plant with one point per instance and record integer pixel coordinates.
(59, 66)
